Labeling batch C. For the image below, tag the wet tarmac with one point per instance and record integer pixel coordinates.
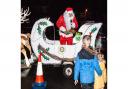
(53, 76)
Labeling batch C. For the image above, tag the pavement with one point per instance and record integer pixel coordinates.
(52, 75)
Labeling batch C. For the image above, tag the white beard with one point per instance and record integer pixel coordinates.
(67, 20)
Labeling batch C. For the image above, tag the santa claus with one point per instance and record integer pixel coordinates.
(67, 25)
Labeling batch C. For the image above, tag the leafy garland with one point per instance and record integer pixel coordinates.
(39, 28)
(93, 30)
(44, 56)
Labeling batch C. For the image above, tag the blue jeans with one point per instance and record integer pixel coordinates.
(87, 85)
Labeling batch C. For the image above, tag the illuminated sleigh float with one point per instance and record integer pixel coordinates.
(60, 54)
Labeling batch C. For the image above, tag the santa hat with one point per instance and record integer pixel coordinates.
(69, 9)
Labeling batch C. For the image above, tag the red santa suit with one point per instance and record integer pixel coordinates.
(66, 22)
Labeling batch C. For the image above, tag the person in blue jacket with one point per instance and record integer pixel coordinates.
(85, 65)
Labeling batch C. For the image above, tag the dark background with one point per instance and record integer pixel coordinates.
(97, 11)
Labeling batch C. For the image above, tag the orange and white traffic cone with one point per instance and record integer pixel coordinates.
(39, 82)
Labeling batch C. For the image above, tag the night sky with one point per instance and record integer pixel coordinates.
(97, 10)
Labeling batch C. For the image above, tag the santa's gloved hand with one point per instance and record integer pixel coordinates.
(69, 35)
(62, 28)
(73, 25)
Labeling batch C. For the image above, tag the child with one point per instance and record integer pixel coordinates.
(101, 80)
(85, 65)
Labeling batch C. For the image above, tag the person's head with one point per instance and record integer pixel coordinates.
(100, 56)
(87, 40)
(69, 13)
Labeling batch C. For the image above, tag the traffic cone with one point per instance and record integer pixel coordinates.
(39, 82)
